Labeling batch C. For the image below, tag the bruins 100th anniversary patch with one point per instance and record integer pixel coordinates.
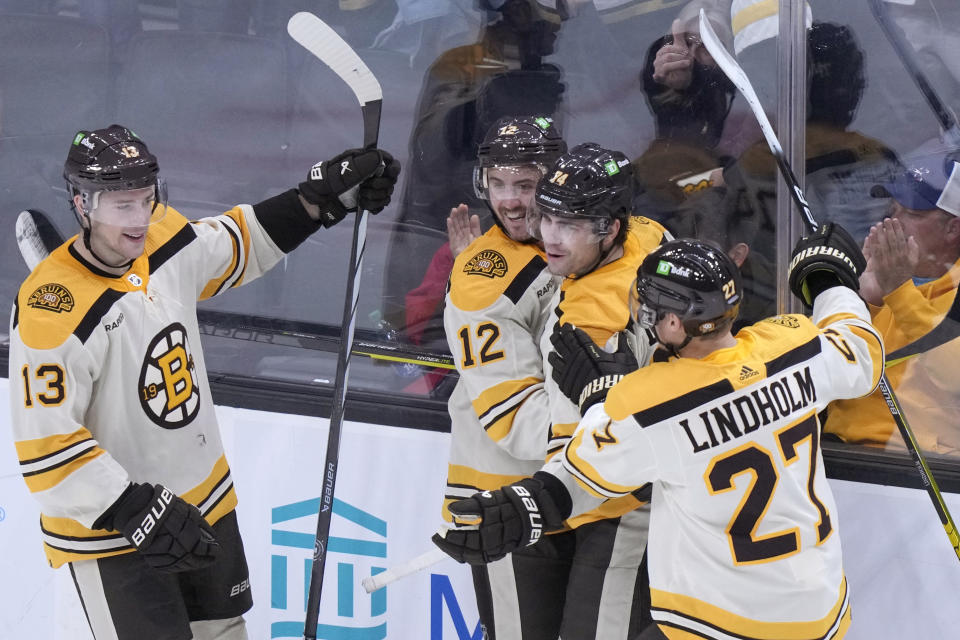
(487, 263)
(52, 297)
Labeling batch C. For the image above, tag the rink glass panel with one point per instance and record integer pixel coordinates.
(237, 112)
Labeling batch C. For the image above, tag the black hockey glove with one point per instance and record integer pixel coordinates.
(374, 193)
(169, 532)
(333, 185)
(511, 517)
(583, 371)
(826, 258)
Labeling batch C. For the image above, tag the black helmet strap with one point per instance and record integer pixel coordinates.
(85, 224)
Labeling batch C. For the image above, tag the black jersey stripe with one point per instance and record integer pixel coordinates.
(91, 538)
(703, 395)
(681, 404)
(58, 451)
(96, 312)
(458, 485)
(101, 550)
(241, 259)
(226, 478)
(210, 507)
(92, 267)
(523, 280)
(513, 400)
(726, 633)
(65, 461)
(168, 249)
(16, 313)
(793, 357)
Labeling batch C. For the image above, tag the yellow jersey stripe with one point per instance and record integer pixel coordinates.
(495, 399)
(677, 611)
(38, 449)
(836, 317)
(51, 477)
(589, 476)
(754, 13)
(214, 286)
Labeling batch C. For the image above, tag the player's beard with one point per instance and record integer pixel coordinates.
(514, 221)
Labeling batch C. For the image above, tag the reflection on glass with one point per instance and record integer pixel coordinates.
(464, 92)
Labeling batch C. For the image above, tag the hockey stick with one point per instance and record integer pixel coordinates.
(945, 117)
(319, 337)
(424, 560)
(36, 236)
(324, 43)
(739, 78)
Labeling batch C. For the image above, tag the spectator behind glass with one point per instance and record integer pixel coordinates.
(690, 98)
(716, 215)
(464, 92)
(913, 269)
(841, 165)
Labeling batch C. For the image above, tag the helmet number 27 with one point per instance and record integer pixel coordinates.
(729, 290)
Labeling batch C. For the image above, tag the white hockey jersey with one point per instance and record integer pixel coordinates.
(497, 303)
(743, 532)
(108, 383)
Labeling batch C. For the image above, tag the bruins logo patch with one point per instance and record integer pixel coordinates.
(168, 389)
(487, 263)
(785, 321)
(52, 297)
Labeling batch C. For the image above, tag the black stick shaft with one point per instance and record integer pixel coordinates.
(371, 131)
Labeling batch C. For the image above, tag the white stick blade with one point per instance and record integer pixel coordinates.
(31, 246)
(316, 36)
(738, 77)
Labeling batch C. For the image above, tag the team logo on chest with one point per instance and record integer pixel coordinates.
(168, 390)
(487, 263)
(52, 297)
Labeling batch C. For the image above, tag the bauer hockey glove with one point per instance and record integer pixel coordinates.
(499, 522)
(374, 193)
(583, 371)
(827, 258)
(170, 533)
(334, 185)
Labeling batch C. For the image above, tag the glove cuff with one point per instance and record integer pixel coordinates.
(559, 504)
(816, 282)
(596, 391)
(134, 499)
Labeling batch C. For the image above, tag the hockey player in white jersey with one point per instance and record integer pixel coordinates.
(496, 308)
(112, 414)
(743, 533)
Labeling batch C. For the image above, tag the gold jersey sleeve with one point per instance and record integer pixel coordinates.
(598, 303)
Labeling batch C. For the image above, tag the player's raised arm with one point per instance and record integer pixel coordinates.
(823, 273)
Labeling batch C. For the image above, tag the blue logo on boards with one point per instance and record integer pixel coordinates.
(359, 550)
(293, 549)
(442, 591)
